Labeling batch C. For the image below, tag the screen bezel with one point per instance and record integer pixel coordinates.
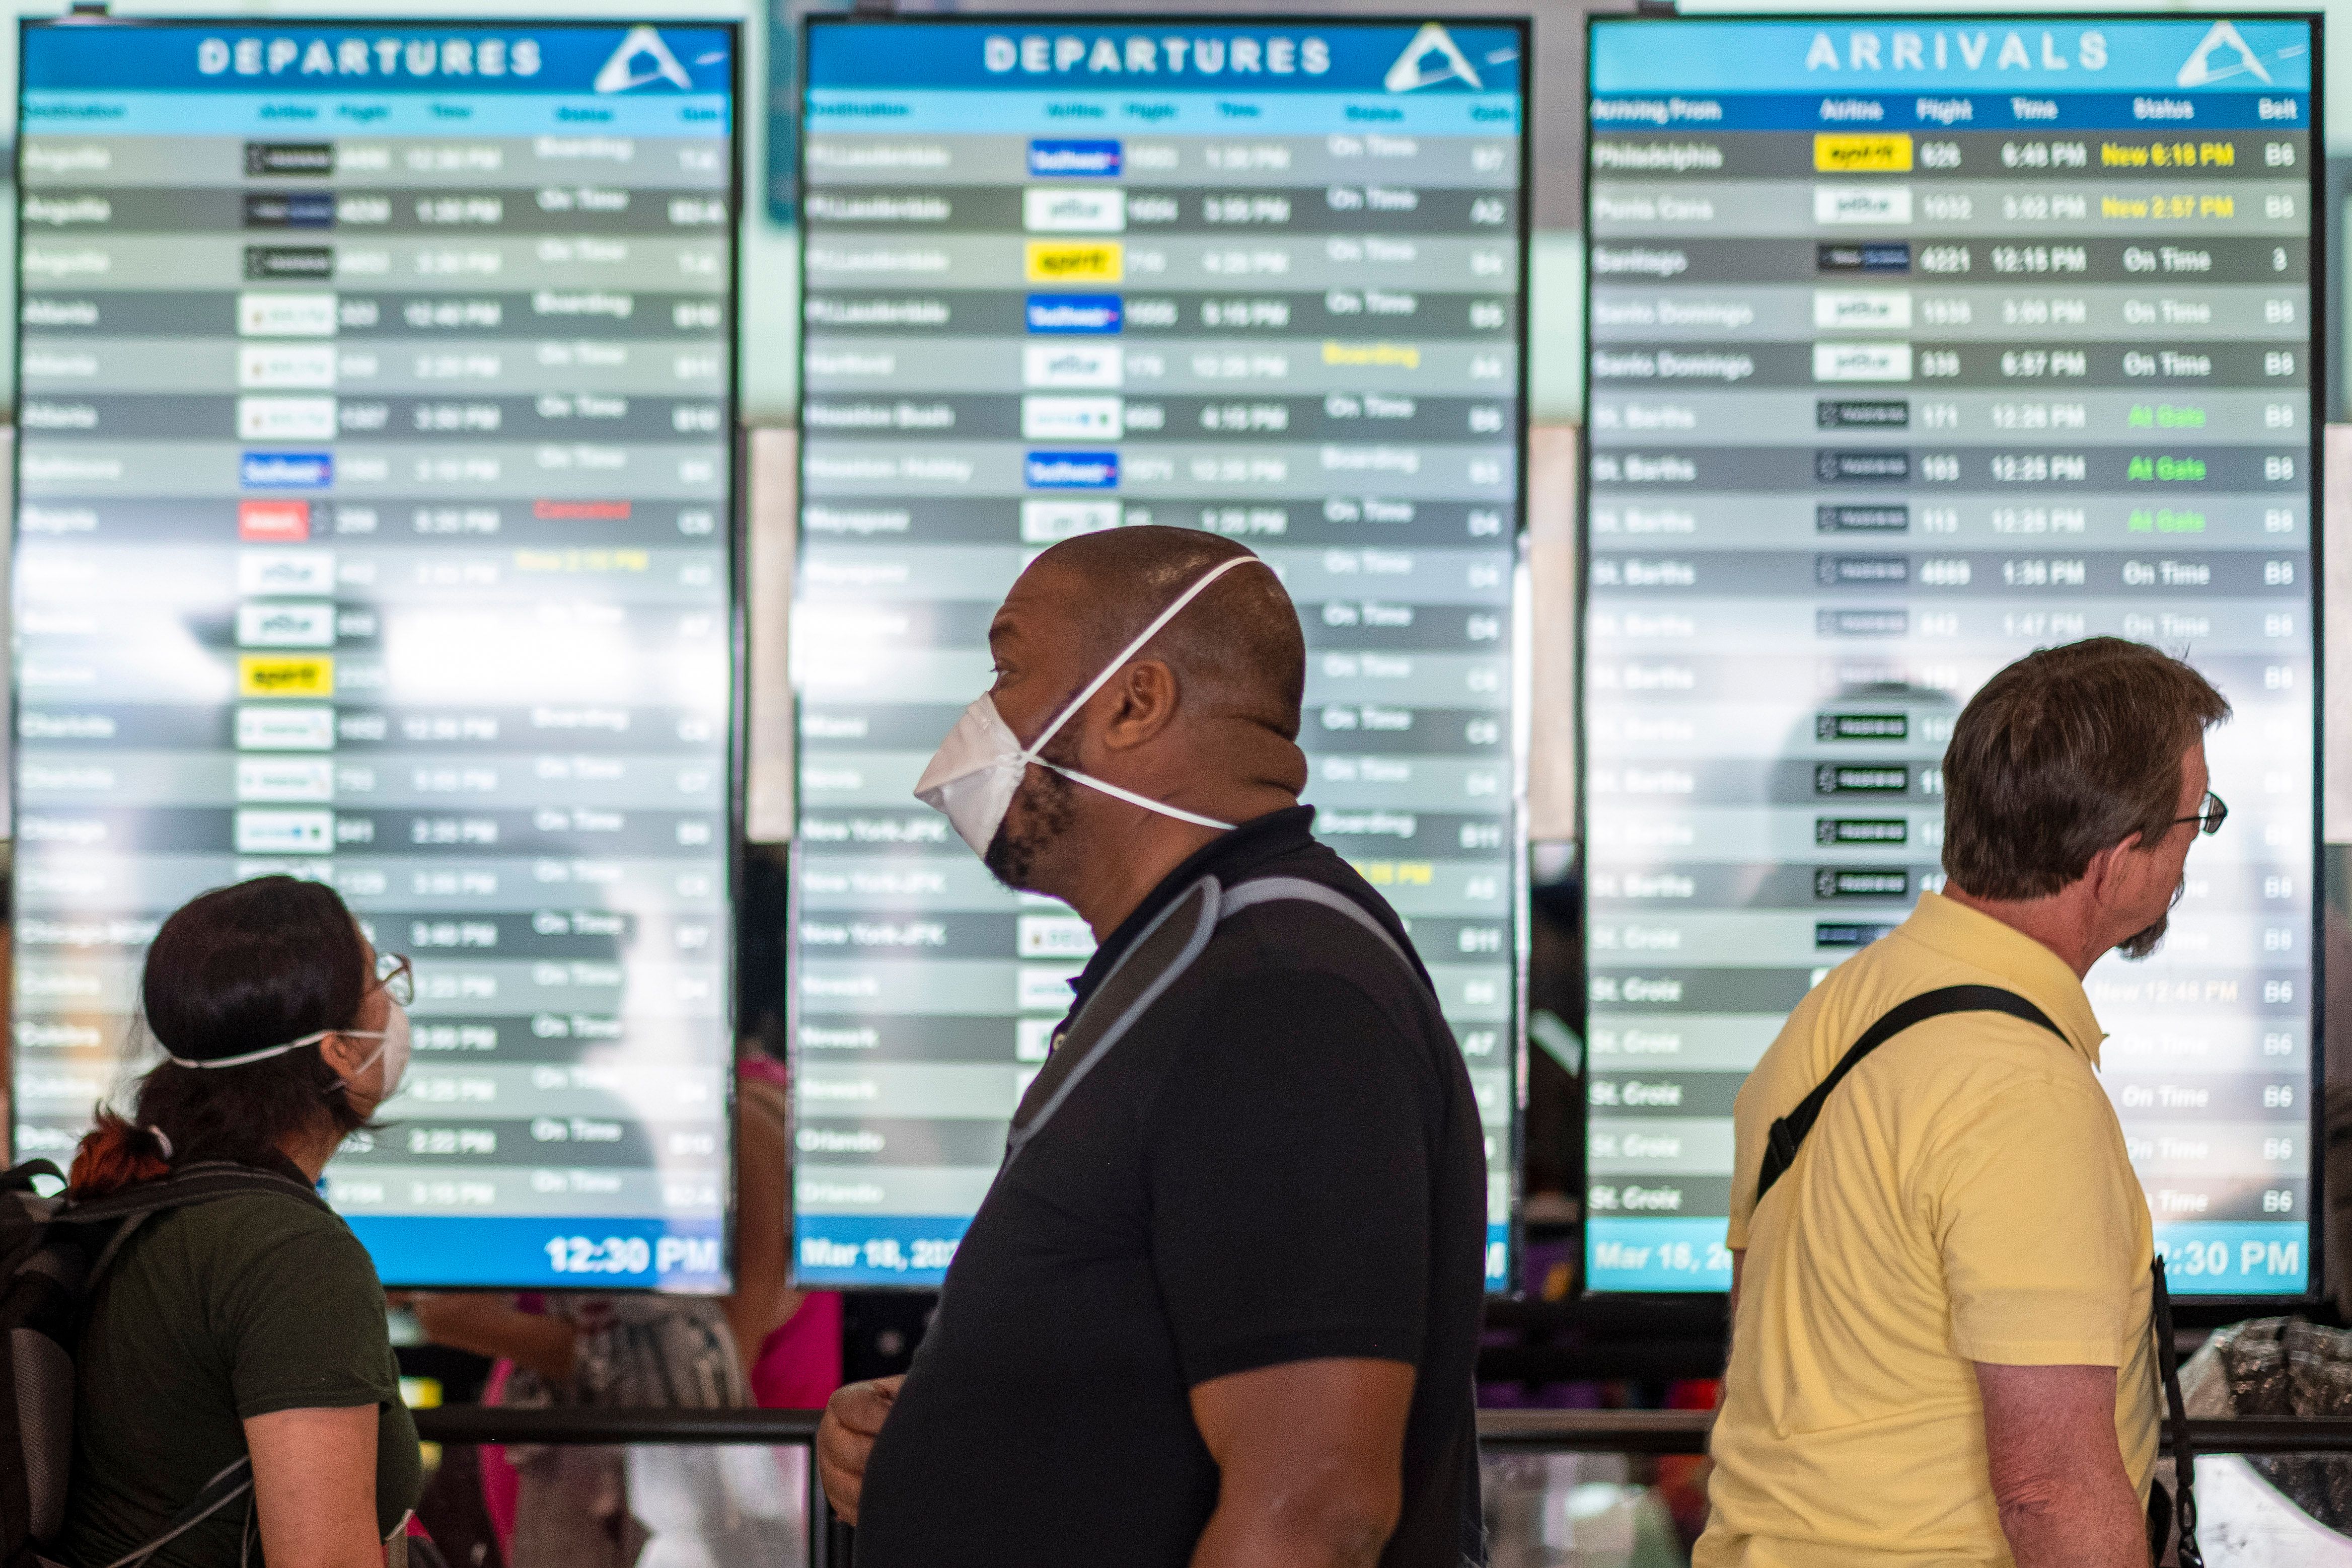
(735, 508)
(1516, 834)
(2198, 1309)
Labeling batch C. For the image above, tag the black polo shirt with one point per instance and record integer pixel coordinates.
(1279, 1160)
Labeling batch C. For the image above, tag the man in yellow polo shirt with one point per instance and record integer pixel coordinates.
(1940, 1347)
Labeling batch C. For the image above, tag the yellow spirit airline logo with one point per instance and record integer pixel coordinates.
(1059, 261)
(1876, 154)
(273, 675)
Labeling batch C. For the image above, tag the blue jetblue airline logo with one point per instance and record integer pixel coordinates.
(1073, 313)
(1073, 470)
(1047, 157)
(285, 470)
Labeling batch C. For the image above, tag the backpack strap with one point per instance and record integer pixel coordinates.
(191, 1185)
(1157, 959)
(2184, 1452)
(230, 1483)
(198, 1183)
(1789, 1133)
(20, 1178)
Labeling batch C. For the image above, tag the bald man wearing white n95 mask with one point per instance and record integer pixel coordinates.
(1221, 1305)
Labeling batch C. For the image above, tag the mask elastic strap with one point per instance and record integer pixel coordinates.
(266, 1053)
(1132, 649)
(1132, 799)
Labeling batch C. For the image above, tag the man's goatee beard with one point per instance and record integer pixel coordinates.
(1048, 805)
(2146, 940)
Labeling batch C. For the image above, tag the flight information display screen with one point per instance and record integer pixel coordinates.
(373, 525)
(1264, 280)
(1918, 345)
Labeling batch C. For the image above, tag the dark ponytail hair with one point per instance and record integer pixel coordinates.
(240, 968)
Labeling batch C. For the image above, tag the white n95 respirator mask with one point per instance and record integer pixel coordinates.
(392, 1052)
(977, 770)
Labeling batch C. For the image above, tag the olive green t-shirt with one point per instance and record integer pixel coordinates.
(212, 1314)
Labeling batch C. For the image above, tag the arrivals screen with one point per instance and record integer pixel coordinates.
(1263, 280)
(1918, 345)
(373, 502)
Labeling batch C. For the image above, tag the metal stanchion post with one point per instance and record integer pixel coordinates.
(820, 1521)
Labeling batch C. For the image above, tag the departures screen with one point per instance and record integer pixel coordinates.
(1264, 280)
(1915, 346)
(374, 526)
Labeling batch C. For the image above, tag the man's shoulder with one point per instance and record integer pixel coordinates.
(1987, 1049)
(1310, 910)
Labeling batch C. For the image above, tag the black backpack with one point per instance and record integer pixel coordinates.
(52, 1252)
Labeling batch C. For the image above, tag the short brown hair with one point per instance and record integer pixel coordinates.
(2066, 753)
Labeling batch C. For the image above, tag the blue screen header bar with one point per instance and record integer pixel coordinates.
(1923, 54)
(1405, 60)
(605, 62)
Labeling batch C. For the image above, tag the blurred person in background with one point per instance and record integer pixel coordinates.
(1941, 1348)
(251, 1325)
(765, 1344)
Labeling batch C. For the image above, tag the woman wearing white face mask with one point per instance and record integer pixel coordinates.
(249, 1325)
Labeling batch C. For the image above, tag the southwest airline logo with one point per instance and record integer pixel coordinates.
(1072, 471)
(1100, 159)
(285, 470)
(1073, 313)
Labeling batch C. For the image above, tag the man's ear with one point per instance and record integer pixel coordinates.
(1145, 705)
(2106, 867)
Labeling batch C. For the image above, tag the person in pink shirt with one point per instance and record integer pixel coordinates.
(766, 1344)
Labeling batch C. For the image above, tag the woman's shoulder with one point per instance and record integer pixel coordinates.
(267, 1231)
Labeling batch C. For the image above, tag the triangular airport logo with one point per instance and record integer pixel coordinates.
(2200, 68)
(1413, 69)
(642, 59)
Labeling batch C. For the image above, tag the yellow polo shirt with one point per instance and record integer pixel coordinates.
(1965, 1197)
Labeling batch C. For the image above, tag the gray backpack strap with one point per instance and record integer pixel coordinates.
(1154, 961)
(230, 1483)
(1277, 889)
(194, 1183)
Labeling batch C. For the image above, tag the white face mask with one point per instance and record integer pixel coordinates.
(392, 1053)
(977, 770)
